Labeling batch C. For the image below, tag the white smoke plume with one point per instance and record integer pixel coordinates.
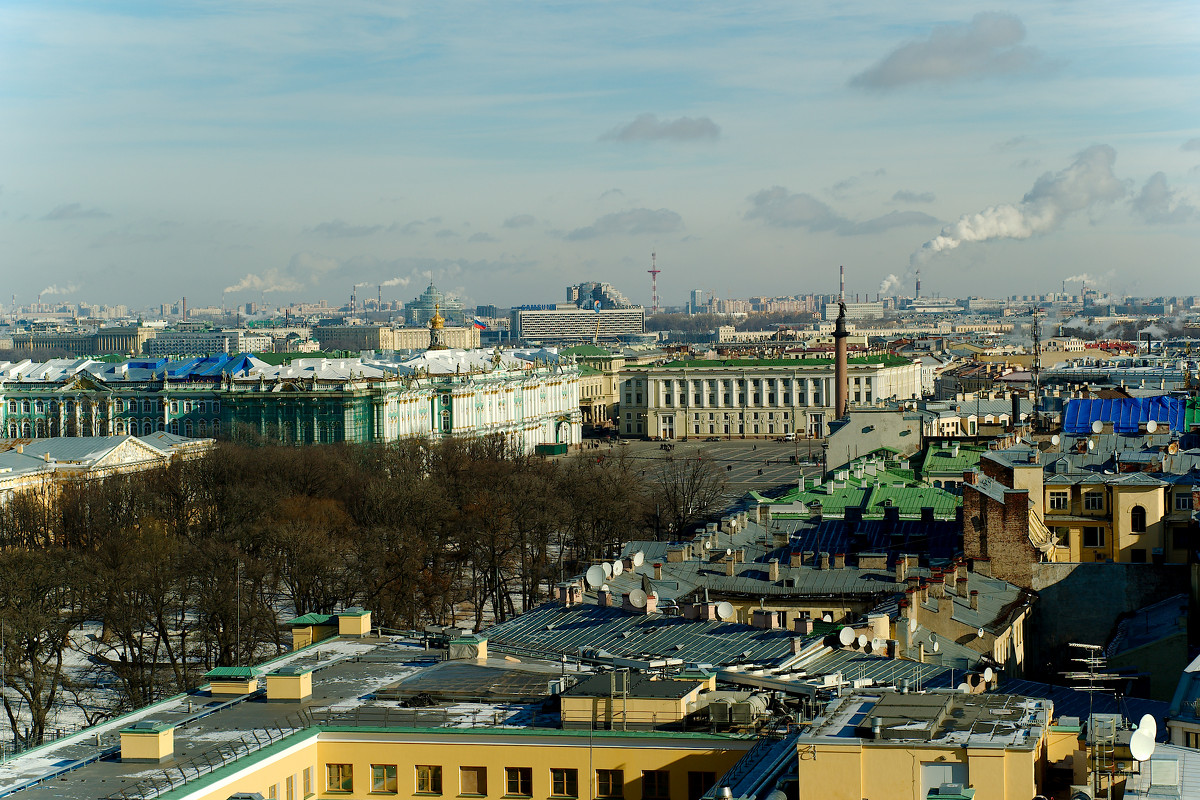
(889, 284)
(364, 283)
(1089, 181)
(270, 281)
(70, 288)
(397, 282)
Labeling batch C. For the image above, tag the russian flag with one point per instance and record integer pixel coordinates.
(479, 324)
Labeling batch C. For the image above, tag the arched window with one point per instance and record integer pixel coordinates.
(25, 431)
(120, 429)
(148, 428)
(187, 428)
(202, 427)
(216, 428)
(12, 408)
(25, 406)
(1137, 519)
(12, 430)
(174, 426)
(39, 406)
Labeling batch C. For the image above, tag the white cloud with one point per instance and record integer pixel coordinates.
(634, 222)
(780, 208)
(649, 128)
(71, 211)
(1159, 203)
(988, 45)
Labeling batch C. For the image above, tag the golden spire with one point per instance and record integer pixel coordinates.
(436, 322)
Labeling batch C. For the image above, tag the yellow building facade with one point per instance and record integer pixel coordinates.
(358, 763)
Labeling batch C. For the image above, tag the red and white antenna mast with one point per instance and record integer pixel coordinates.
(654, 270)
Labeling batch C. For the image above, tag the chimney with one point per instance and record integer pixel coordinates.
(604, 596)
(796, 558)
(823, 560)
(901, 569)
(773, 570)
(691, 609)
(960, 586)
(839, 560)
(20, 448)
(729, 566)
(765, 619)
(657, 571)
(974, 599)
(950, 579)
(651, 603)
(803, 625)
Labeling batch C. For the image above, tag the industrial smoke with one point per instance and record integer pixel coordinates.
(1087, 182)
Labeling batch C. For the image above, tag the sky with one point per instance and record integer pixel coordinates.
(238, 150)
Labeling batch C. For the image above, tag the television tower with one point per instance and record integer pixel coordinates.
(654, 270)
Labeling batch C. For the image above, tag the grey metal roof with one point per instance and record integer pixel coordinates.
(552, 630)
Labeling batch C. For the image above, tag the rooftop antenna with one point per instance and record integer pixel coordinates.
(1035, 369)
(654, 270)
(1093, 676)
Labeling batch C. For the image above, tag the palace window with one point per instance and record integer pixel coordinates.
(610, 783)
(518, 781)
(564, 783)
(339, 777)
(383, 778)
(429, 779)
(1137, 519)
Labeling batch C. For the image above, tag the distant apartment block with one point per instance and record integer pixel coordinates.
(566, 323)
(199, 343)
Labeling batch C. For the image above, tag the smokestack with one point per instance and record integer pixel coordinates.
(379, 300)
(185, 309)
(841, 284)
(917, 295)
(840, 377)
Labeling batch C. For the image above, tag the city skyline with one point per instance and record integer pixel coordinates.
(297, 150)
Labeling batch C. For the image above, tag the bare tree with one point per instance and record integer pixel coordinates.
(685, 491)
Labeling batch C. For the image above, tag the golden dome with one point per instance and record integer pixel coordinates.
(436, 322)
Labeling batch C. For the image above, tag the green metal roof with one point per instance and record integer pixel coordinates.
(1191, 413)
(586, 350)
(871, 499)
(942, 461)
(313, 619)
(234, 673)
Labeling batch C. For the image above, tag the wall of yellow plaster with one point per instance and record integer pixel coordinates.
(406, 751)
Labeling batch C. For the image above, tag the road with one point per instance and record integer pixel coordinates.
(747, 464)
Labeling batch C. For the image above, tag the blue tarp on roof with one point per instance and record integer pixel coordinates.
(1126, 414)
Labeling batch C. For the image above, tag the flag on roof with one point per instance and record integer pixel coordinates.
(478, 323)
(596, 306)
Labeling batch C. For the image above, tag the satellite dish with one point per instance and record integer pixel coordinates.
(1091, 445)
(724, 610)
(878, 645)
(638, 558)
(595, 576)
(1141, 745)
(1054, 440)
(988, 674)
(980, 633)
(1097, 426)
(637, 598)
(912, 624)
(617, 568)
(1148, 724)
(937, 646)
(708, 545)
(608, 569)
(846, 637)
(962, 687)
(827, 618)
(862, 641)
(728, 551)
(1152, 426)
